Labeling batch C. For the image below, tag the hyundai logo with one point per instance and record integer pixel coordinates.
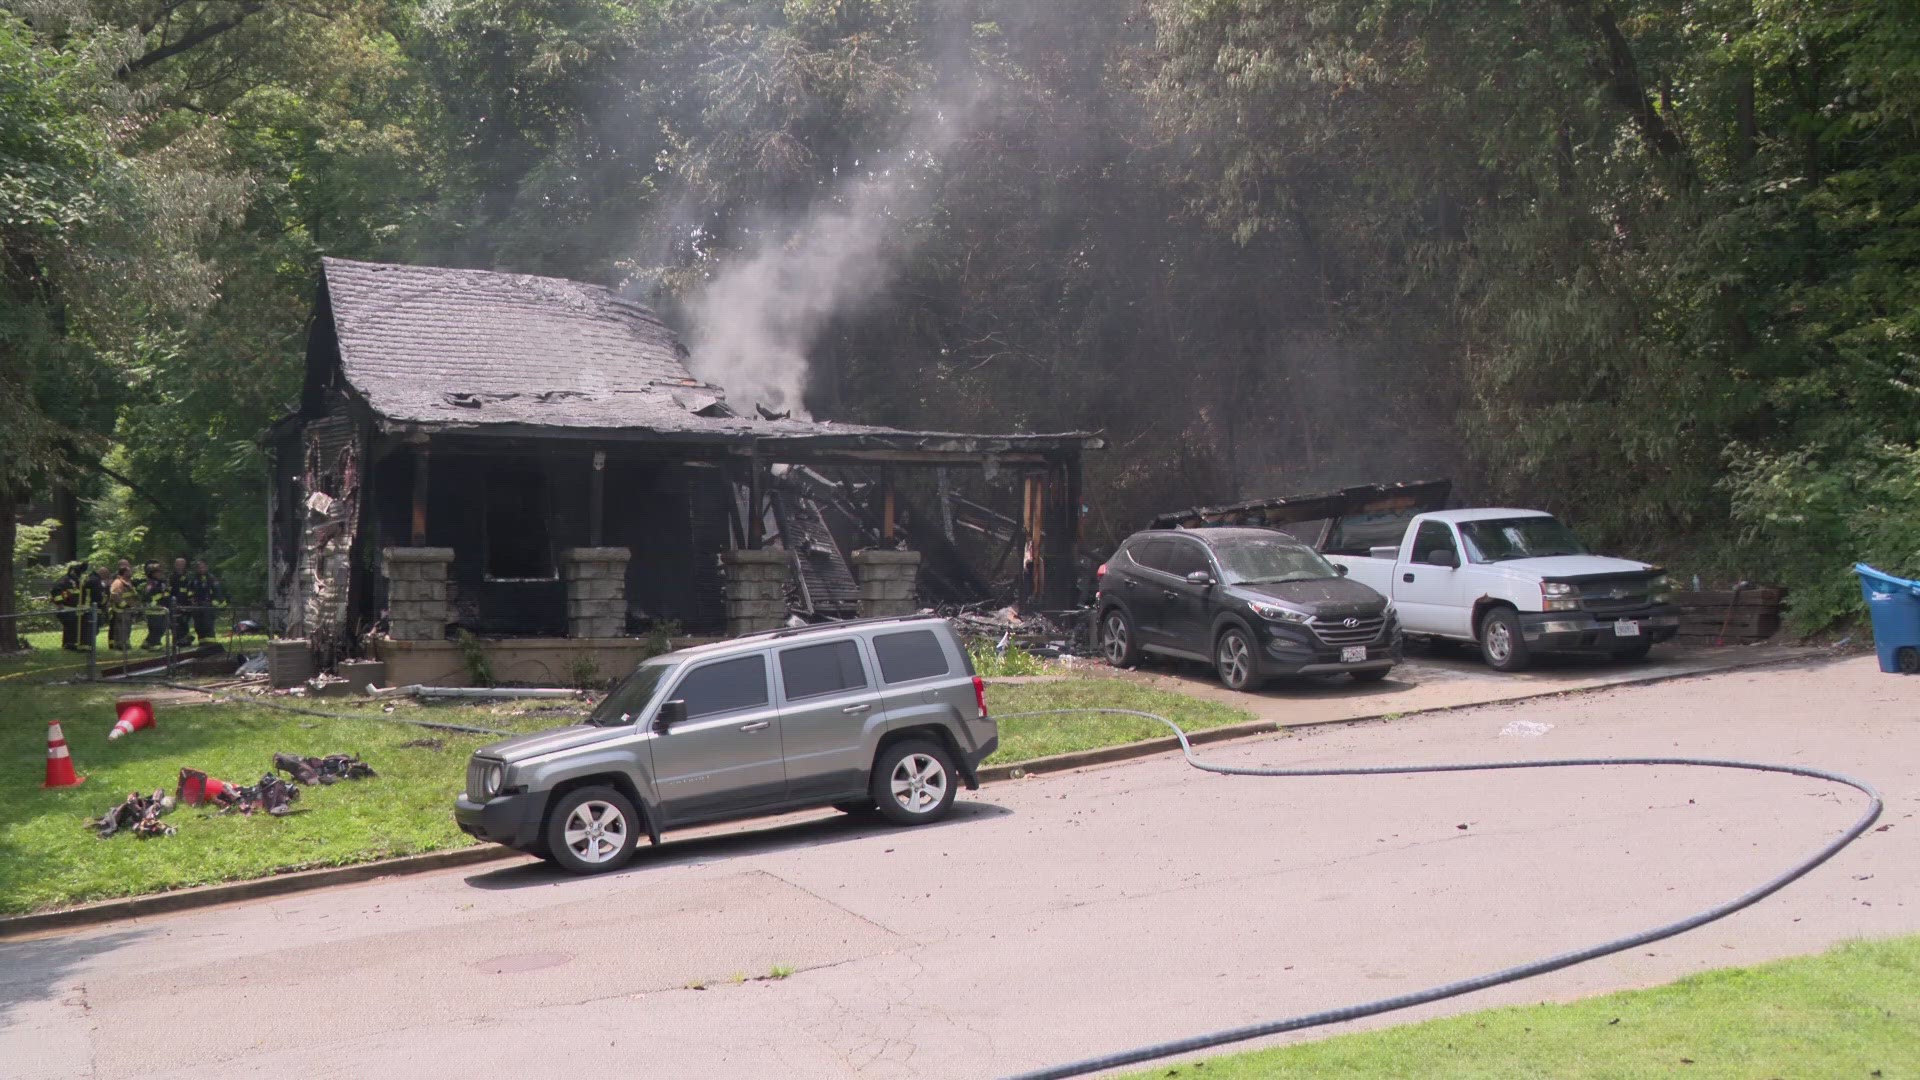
(1350, 623)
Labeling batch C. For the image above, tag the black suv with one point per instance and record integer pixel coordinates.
(1252, 602)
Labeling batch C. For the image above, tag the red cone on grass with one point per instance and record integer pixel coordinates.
(197, 788)
(59, 760)
(136, 714)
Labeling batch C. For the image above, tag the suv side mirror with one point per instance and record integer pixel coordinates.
(1444, 557)
(671, 713)
(1340, 569)
(1199, 577)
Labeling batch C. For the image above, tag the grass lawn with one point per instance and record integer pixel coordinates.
(1043, 736)
(1851, 1012)
(49, 859)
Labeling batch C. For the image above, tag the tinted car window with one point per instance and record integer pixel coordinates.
(1185, 557)
(629, 699)
(727, 686)
(913, 655)
(1151, 554)
(1433, 536)
(822, 669)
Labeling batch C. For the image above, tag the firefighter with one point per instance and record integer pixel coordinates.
(122, 597)
(93, 595)
(180, 599)
(206, 591)
(153, 597)
(65, 595)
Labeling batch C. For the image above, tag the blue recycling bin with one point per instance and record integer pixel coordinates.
(1894, 603)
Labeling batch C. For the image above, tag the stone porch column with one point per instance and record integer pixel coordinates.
(887, 581)
(417, 607)
(756, 589)
(596, 591)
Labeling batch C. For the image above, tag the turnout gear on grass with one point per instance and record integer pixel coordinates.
(139, 813)
(271, 794)
(327, 770)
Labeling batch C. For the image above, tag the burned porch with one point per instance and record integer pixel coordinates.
(530, 459)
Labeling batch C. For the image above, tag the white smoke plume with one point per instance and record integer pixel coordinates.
(756, 320)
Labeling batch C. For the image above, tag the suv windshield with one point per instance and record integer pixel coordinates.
(1518, 538)
(630, 698)
(1258, 562)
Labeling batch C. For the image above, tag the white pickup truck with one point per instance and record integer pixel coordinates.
(1515, 582)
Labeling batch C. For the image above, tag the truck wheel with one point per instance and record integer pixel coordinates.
(913, 782)
(1634, 652)
(1117, 642)
(1500, 642)
(593, 830)
(1233, 660)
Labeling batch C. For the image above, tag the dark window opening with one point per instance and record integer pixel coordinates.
(905, 657)
(1434, 536)
(822, 669)
(518, 545)
(728, 686)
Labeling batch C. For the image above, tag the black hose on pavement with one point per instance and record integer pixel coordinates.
(1494, 978)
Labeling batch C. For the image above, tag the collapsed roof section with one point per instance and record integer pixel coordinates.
(432, 350)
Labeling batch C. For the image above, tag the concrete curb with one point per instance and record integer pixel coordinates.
(308, 880)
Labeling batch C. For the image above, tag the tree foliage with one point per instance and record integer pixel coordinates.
(1648, 263)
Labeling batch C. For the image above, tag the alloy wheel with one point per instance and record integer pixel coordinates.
(919, 783)
(596, 831)
(1114, 641)
(1236, 662)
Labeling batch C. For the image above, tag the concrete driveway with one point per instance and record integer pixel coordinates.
(1051, 918)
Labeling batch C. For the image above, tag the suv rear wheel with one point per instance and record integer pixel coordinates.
(913, 782)
(592, 830)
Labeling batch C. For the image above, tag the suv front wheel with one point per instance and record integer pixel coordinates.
(913, 782)
(592, 830)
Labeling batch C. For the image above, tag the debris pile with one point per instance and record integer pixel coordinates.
(1046, 634)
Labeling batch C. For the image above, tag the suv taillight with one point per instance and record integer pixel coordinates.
(980, 695)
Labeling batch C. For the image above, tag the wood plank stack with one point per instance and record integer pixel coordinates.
(1746, 617)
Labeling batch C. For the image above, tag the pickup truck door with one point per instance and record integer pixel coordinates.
(1429, 593)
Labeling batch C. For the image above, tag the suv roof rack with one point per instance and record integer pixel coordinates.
(791, 631)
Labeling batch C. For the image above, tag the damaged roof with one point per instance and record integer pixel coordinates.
(438, 349)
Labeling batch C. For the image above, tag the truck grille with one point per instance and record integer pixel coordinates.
(1619, 594)
(1337, 631)
(477, 780)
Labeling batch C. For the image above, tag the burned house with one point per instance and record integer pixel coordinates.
(529, 458)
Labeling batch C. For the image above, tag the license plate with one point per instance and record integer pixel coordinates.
(1626, 628)
(1354, 654)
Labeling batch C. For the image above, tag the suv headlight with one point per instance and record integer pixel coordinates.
(493, 779)
(1276, 613)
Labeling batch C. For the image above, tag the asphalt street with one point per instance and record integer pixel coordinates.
(1050, 918)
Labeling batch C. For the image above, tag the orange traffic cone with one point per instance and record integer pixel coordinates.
(59, 761)
(197, 788)
(135, 714)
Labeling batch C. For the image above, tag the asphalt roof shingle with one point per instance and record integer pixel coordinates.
(477, 349)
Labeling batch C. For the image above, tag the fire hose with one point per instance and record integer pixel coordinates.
(1491, 979)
